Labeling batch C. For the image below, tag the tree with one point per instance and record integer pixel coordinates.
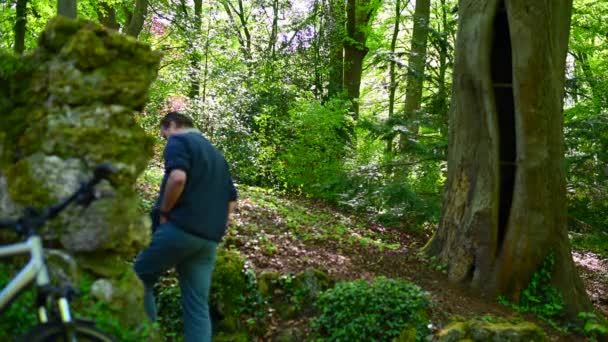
(20, 23)
(137, 18)
(107, 16)
(505, 210)
(336, 32)
(66, 8)
(417, 61)
(195, 57)
(358, 16)
(392, 75)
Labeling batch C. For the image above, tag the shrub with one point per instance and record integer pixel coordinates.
(316, 147)
(376, 311)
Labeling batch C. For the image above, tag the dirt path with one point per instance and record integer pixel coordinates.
(344, 261)
(354, 263)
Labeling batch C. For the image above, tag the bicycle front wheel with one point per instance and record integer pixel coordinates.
(56, 332)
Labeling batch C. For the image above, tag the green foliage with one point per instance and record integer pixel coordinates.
(312, 160)
(376, 311)
(297, 220)
(169, 305)
(105, 318)
(586, 126)
(540, 297)
(21, 315)
(594, 326)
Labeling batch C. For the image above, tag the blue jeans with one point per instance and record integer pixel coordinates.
(193, 258)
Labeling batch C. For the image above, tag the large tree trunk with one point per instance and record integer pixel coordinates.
(358, 16)
(505, 206)
(20, 23)
(67, 8)
(416, 63)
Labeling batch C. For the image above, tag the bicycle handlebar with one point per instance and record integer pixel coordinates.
(7, 223)
(33, 219)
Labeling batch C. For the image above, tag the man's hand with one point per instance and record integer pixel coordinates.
(173, 190)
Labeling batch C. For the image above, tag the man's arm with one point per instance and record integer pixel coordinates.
(173, 190)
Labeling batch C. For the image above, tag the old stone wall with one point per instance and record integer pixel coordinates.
(65, 108)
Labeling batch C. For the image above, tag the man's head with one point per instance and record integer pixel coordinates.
(173, 123)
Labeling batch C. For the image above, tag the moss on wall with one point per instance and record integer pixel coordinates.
(64, 108)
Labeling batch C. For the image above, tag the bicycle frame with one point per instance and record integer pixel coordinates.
(35, 269)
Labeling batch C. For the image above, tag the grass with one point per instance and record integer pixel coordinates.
(302, 220)
(595, 241)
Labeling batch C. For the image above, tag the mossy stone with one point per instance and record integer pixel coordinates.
(312, 281)
(501, 330)
(228, 283)
(231, 337)
(268, 283)
(408, 334)
(64, 108)
(103, 264)
(24, 188)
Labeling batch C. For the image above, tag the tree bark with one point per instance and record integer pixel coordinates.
(505, 206)
(358, 16)
(244, 38)
(20, 23)
(195, 72)
(392, 76)
(441, 103)
(138, 17)
(67, 8)
(107, 16)
(416, 64)
(336, 31)
(272, 41)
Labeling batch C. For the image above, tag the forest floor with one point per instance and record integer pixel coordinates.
(289, 234)
(283, 234)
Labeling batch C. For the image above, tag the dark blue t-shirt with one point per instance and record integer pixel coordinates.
(202, 208)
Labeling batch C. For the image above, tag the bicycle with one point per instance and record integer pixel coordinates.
(59, 325)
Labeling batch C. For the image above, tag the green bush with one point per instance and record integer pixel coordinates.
(316, 147)
(376, 311)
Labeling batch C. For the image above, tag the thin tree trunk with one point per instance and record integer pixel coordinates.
(244, 38)
(275, 29)
(195, 77)
(416, 64)
(597, 94)
(241, 14)
(505, 207)
(67, 8)
(318, 62)
(336, 31)
(442, 103)
(107, 16)
(393, 63)
(136, 23)
(206, 67)
(20, 23)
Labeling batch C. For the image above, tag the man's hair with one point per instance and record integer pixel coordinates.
(180, 120)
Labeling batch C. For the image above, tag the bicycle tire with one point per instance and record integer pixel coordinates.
(54, 332)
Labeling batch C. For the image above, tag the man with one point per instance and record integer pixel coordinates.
(190, 219)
